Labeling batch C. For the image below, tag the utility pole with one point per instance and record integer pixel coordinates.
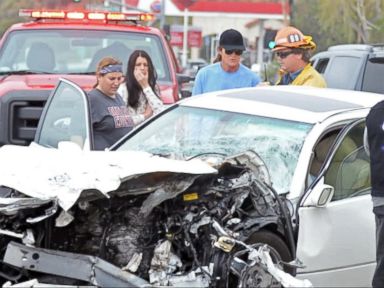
(162, 15)
(121, 4)
(291, 10)
(185, 39)
(187, 4)
(285, 13)
(260, 43)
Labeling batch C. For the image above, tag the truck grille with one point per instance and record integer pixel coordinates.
(24, 118)
(20, 114)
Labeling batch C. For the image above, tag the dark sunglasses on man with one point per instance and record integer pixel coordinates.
(231, 51)
(283, 54)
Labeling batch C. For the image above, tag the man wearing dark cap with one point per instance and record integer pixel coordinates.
(228, 72)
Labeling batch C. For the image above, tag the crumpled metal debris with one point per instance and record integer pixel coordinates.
(163, 263)
(133, 263)
(192, 236)
(262, 256)
(80, 170)
(286, 279)
(168, 190)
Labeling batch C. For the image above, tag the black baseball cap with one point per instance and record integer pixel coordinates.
(231, 39)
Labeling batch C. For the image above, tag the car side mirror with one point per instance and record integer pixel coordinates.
(182, 78)
(185, 93)
(185, 85)
(320, 195)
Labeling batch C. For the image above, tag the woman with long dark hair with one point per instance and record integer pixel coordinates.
(140, 88)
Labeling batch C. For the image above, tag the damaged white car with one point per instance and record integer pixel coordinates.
(239, 188)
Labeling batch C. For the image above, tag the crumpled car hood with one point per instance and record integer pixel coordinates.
(63, 173)
(165, 222)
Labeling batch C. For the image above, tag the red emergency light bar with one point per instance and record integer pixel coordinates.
(85, 15)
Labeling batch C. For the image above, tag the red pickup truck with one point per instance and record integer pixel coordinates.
(68, 44)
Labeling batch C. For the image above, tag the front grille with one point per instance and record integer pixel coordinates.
(20, 112)
(24, 118)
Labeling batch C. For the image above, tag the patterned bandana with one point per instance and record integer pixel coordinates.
(111, 68)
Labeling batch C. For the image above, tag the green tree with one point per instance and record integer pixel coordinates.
(333, 22)
(9, 10)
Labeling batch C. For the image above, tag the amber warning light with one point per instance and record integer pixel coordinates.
(85, 15)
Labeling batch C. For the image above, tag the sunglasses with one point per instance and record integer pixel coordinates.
(236, 51)
(283, 54)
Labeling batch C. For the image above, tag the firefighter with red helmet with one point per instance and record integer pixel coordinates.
(293, 50)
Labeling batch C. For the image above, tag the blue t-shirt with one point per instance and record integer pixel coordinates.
(214, 78)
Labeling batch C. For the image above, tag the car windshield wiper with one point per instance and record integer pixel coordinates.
(206, 153)
(82, 73)
(24, 72)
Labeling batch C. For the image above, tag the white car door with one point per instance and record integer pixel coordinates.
(336, 241)
(65, 118)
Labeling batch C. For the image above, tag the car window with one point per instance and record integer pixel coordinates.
(187, 132)
(321, 65)
(65, 118)
(342, 72)
(74, 52)
(320, 153)
(349, 171)
(373, 76)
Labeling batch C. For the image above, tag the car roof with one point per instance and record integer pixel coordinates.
(355, 50)
(357, 47)
(296, 103)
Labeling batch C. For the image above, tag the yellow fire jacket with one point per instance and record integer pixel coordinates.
(308, 77)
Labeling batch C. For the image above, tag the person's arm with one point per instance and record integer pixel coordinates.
(197, 85)
(365, 138)
(314, 82)
(256, 80)
(137, 119)
(123, 92)
(154, 102)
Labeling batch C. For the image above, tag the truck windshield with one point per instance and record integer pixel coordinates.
(76, 51)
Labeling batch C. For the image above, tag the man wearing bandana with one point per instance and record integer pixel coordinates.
(109, 113)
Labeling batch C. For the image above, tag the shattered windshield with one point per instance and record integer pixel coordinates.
(187, 132)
